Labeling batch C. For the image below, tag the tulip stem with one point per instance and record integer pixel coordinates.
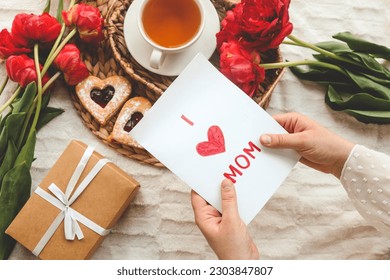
(302, 62)
(51, 58)
(4, 84)
(57, 42)
(322, 51)
(71, 4)
(26, 121)
(39, 95)
(291, 43)
(10, 100)
(31, 110)
(50, 82)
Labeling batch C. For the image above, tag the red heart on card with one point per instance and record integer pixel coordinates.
(214, 145)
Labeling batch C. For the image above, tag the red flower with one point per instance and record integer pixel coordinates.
(87, 20)
(230, 28)
(258, 24)
(241, 66)
(8, 47)
(70, 63)
(21, 69)
(28, 29)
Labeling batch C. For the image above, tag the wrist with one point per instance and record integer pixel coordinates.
(344, 153)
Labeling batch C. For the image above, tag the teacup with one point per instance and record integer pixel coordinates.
(170, 26)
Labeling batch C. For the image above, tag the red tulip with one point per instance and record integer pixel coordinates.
(257, 24)
(241, 66)
(21, 69)
(28, 29)
(70, 63)
(230, 28)
(87, 20)
(8, 47)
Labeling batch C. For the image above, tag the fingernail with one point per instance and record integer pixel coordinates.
(227, 184)
(265, 139)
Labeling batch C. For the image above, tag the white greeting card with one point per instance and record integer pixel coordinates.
(204, 129)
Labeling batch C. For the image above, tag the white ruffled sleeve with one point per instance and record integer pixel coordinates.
(366, 178)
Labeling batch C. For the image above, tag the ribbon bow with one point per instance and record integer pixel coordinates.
(63, 201)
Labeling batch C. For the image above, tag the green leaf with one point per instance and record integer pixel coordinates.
(45, 101)
(371, 63)
(59, 11)
(14, 194)
(15, 121)
(333, 46)
(384, 82)
(370, 86)
(360, 45)
(364, 90)
(319, 75)
(27, 99)
(3, 142)
(8, 161)
(47, 6)
(371, 76)
(47, 115)
(361, 81)
(2, 123)
(26, 154)
(368, 64)
(340, 100)
(363, 107)
(378, 117)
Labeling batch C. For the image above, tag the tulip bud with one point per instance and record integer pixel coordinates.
(21, 69)
(28, 29)
(70, 63)
(87, 20)
(241, 66)
(8, 47)
(260, 25)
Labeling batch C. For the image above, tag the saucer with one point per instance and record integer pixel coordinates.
(173, 63)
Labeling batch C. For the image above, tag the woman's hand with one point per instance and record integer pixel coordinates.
(226, 234)
(319, 148)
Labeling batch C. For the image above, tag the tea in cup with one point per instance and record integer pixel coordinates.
(170, 26)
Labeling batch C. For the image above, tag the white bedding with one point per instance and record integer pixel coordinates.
(309, 217)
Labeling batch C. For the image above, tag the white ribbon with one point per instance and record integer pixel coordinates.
(63, 201)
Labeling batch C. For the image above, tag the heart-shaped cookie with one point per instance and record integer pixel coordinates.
(103, 98)
(132, 112)
(214, 145)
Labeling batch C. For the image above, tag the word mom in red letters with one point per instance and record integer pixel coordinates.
(242, 162)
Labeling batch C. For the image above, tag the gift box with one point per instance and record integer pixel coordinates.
(74, 207)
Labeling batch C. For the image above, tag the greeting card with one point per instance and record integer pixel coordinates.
(205, 129)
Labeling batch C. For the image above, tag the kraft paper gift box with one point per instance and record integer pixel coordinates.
(47, 228)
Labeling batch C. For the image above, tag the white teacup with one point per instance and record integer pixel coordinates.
(170, 26)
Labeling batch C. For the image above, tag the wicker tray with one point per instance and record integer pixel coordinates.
(113, 58)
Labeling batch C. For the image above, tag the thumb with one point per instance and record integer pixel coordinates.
(284, 141)
(229, 200)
